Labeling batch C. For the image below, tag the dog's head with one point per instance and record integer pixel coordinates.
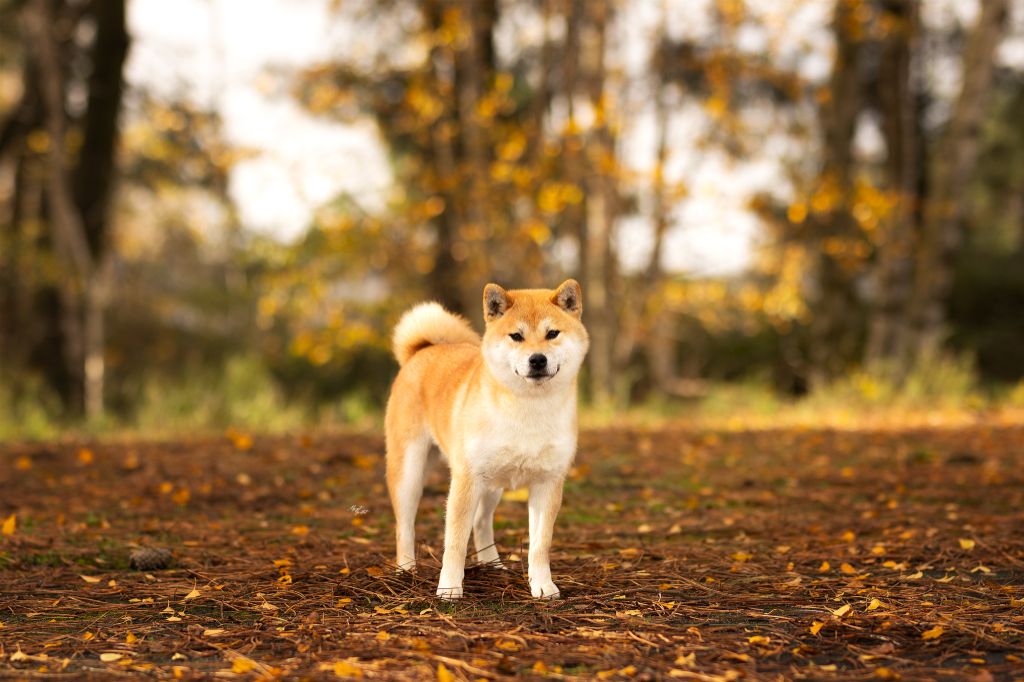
(535, 339)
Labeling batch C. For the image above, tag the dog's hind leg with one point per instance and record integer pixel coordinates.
(483, 528)
(406, 471)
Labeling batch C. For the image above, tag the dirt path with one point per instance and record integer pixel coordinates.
(693, 555)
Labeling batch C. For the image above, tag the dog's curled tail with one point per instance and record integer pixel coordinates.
(428, 324)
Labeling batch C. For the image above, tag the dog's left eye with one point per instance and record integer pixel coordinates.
(517, 337)
(553, 334)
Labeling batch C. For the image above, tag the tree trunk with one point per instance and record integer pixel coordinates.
(79, 206)
(955, 161)
(600, 210)
(95, 172)
(889, 327)
(443, 280)
(833, 303)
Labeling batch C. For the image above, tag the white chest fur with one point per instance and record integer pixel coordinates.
(530, 440)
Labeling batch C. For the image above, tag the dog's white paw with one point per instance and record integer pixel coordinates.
(449, 593)
(544, 590)
(407, 567)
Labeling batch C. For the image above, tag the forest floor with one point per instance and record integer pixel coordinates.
(680, 553)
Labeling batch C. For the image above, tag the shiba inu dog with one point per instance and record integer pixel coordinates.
(502, 410)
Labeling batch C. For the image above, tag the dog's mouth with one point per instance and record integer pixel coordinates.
(540, 377)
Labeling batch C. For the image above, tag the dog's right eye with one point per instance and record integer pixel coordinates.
(517, 337)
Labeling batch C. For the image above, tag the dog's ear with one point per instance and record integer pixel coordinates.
(496, 302)
(569, 297)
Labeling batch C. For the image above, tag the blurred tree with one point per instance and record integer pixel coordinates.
(954, 163)
(835, 233)
(900, 102)
(63, 150)
(883, 234)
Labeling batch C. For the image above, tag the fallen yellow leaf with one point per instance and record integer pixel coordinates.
(966, 543)
(86, 456)
(130, 639)
(213, 632)
(344, 669)
(193, 594)
(759, 640)
(110, 657)
(517, 495)
(241, 664)
(10, 525)
(873, 605)
(742, 556)
(443, 674)
(841, 611)
(89, 578)
(241, 441)
(824, 567)
(816, 627)
(847, 569)
(383, 636)
(934, 633)
(689, 660)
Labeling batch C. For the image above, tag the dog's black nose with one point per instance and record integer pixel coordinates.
(538, 361)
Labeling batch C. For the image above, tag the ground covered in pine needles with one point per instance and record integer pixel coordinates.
(680, 553)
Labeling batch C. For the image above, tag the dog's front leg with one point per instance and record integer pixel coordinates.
(545, 500)
(458, 523)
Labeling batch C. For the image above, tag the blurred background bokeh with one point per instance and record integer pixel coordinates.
(213, 211)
